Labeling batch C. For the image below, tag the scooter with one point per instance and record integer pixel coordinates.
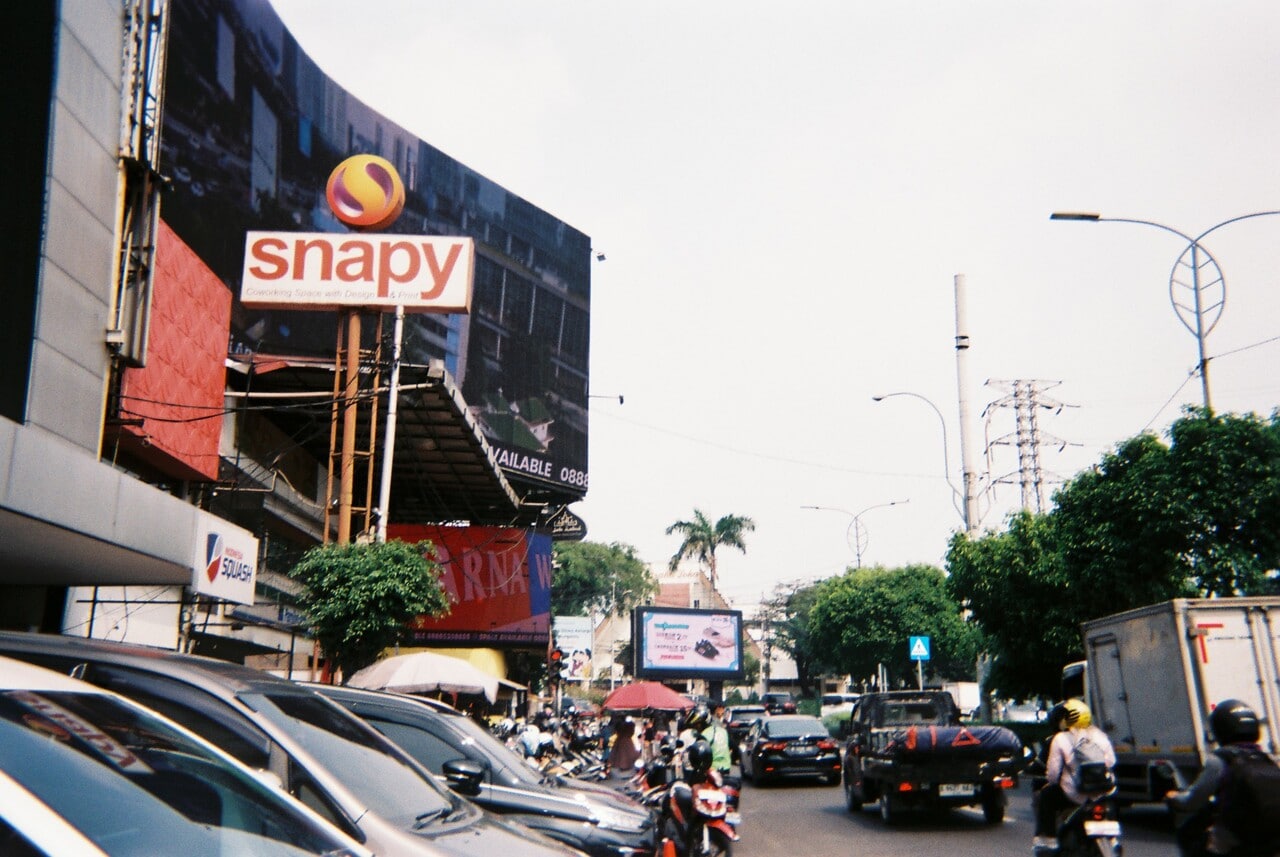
(698, 815)
(1091, 829)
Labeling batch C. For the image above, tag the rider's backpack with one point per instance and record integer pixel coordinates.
(1248, 798)
(1089, 762)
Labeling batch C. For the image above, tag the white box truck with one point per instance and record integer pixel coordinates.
(1153, 675)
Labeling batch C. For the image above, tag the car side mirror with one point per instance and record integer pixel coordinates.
(464, 776)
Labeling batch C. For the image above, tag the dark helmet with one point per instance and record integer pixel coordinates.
(698, 719)
(1056, 716)
(1233, 721)
(700, 756)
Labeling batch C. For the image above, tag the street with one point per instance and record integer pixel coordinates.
(805, 818)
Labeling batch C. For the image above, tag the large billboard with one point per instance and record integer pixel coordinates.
(252, 131)
(498, 580)
(678, 643)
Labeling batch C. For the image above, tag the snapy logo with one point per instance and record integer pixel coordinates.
(220, 559)
(366, 192)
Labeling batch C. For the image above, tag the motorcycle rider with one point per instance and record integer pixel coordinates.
(716, 733)
(1073, 723)
(1233, 724)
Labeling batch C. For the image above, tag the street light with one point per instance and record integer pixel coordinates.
(1197, 325)
(853, 535)
(964, 502)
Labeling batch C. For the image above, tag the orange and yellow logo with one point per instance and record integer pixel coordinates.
(366, 192)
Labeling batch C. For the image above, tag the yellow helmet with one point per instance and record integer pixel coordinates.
(1078, 715)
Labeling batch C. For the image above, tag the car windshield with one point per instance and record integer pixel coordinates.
(136, 786)
(746, 713)
(800, 727)
(366, 762)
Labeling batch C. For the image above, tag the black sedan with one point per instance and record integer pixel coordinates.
(787, 745)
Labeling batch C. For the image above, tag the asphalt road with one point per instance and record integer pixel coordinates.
(805, 819)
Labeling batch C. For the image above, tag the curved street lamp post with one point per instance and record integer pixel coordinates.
(1199, 324)
(854, 533)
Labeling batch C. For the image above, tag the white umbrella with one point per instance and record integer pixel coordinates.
(426, 672)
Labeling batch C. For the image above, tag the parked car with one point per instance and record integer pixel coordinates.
(789, 745)
(835, 703)
(780, 702)
(87, 772)
(598, 821)
(738, 720)
(329, 759)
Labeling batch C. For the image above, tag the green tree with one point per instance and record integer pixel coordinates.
(865, 617)
(785, 618)
(701, 538)
(588, 576)
(1199, 515)
(361, 597)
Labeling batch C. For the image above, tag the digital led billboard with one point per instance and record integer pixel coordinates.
(253, 129)
(676, 643)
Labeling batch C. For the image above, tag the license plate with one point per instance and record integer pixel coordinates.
(802, 751)
(956, 790)
(734, 818)
(1102, 828)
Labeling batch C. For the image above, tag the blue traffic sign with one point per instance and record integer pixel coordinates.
(919, 647)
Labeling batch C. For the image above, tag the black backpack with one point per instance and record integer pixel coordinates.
(1248, 799)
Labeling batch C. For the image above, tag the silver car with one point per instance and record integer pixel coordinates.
(87, 772)
(332, 761)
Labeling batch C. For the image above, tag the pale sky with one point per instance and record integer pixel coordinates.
(785, 193)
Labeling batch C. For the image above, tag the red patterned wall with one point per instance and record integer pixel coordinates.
(179, 394)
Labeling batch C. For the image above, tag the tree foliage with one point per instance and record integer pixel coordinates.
(701, 537)
(785, 619)
(1199, 515)
(864, 618)
(591, 576)
(361, 597)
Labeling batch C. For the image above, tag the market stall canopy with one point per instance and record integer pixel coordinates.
(642, 696)
(426, 672)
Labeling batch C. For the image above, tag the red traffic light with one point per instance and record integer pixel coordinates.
(556, 656)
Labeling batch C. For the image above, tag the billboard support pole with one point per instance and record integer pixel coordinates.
(389, 443)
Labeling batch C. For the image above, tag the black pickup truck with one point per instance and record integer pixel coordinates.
(908, 749)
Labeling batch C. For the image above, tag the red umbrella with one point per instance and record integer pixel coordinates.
(643, 696)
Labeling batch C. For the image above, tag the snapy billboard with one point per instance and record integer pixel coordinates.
(498, 580)
(676, 643)
(253, 129)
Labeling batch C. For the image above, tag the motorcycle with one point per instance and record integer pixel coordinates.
(698, 817)
(1091, 829)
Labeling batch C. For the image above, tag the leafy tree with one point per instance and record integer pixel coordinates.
(701, 538)
(361, 597)
(786, 617)
(590, 576)
(1012, 588)
(1152, 521)
(865, 617)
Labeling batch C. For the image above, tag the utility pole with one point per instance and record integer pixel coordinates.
(969, 476)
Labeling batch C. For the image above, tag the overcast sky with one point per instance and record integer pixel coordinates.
(785, 193)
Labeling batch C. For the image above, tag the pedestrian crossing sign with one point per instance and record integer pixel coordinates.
(919, 648)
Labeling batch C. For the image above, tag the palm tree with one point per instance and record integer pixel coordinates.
(701, 538)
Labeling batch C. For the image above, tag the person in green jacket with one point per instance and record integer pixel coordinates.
(717, 735)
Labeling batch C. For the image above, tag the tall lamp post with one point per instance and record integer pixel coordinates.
(965, 502)
(1199, 324)
(853, 534)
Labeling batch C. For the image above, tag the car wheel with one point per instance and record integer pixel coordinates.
(744, 764)
(889, 809)
(993, 804)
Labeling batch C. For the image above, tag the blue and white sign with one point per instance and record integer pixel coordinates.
(226, 561)
(919, 647)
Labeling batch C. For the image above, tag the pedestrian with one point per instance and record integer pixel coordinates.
(624, 752)
(717, 735)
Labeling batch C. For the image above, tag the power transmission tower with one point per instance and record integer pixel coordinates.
(1027, 399)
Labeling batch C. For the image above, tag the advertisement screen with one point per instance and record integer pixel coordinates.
(674, 643)
(498, 580)
(252, 130)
